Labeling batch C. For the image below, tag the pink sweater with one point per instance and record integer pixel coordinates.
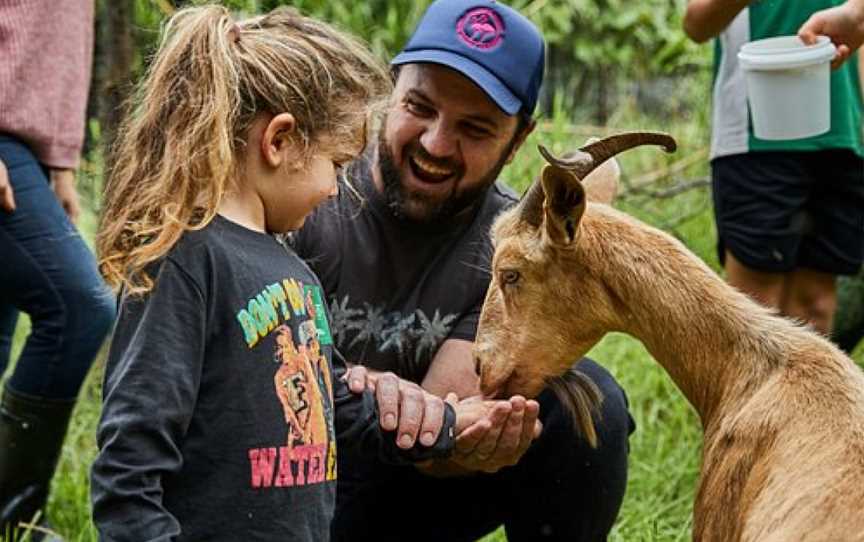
(46, 51)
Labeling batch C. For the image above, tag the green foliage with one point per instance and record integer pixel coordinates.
(594, 46)
(638, 38)
(385, 24)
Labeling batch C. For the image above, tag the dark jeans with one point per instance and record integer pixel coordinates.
(48, 272)
(562, 489)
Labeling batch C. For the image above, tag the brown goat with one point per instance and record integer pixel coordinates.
(782, 409)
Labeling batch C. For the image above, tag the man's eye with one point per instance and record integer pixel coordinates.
(476, 131)
(418, 109)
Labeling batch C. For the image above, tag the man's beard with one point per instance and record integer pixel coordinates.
(423, 209)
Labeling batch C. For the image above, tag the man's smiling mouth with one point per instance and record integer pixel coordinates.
(429, 172)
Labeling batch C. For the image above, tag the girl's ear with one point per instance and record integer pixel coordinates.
(277, 141)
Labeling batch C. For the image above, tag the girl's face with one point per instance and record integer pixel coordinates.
(279, 190)
(286, 188)
(293, 193)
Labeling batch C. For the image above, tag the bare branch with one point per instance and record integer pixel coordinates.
(667, 171)
(680, 187)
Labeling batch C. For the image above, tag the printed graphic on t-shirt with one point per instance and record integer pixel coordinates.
(414, 337)
(301, 383)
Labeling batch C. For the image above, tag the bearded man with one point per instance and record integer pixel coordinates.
(405, 267)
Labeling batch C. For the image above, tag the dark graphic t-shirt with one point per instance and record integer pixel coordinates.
(223, 401)
(396, 289)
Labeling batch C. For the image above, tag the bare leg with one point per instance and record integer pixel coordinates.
(811, 296)
(766, 288)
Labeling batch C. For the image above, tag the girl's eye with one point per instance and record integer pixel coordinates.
(509, 277)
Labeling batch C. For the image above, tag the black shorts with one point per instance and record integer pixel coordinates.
(778, 211)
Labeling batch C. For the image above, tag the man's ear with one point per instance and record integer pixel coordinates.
(520, 139)
(278, 138)
(564, 205)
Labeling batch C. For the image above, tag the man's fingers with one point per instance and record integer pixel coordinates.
(433, 417)
(356, 377)
(467, 440)
(410, 415)
(531, 426)
(387, 393)
(498, 418)
(510, 440)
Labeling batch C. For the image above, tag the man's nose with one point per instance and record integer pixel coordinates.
(439, 140)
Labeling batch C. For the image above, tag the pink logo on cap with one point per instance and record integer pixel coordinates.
(481, 28)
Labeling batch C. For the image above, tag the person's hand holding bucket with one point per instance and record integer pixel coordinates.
(788, 86)
(844, 24)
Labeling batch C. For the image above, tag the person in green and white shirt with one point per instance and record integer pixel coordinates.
(790, 214)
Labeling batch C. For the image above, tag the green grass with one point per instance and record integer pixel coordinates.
(665, 448)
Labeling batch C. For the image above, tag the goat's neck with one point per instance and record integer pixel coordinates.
(712, 340)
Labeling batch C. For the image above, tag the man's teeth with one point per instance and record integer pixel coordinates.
(431, 169)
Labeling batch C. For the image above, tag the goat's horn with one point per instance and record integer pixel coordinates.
(583, 161)
(531, 206)
(570, 161)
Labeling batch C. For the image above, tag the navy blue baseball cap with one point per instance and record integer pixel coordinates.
(492, 44)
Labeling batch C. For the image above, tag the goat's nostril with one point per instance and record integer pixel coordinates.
(477, 365)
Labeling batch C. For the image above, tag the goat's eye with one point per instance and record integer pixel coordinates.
(509, 277)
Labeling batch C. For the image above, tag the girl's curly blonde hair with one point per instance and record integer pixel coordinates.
(178, 150)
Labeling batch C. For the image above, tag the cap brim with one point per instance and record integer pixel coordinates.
(490, 84)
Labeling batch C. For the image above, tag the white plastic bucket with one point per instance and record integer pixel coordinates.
(788, 86)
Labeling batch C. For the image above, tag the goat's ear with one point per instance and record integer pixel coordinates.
(563, 206)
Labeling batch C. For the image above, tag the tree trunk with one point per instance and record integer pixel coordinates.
(601, 111)
(117, 49)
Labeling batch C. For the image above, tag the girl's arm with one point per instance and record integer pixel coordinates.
(358, 425)
(151, 384)
(706, 19)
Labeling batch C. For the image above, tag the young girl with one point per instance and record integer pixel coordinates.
(220, 411)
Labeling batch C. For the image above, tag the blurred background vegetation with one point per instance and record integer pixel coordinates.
(602, 54)
(613, 65)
